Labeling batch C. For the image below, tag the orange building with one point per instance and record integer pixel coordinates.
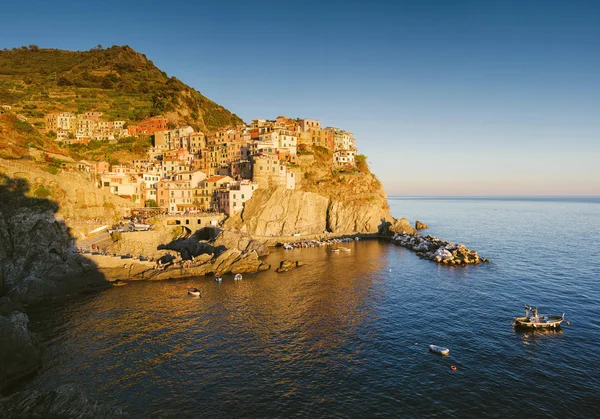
(150, 125)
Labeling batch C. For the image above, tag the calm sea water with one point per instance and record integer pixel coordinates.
(346, 335)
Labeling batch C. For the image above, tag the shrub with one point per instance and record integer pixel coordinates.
(42, 192)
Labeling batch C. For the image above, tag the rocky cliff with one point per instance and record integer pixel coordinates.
(35, 264)
(325, 199)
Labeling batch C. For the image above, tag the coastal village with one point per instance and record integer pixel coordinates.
(188, 171)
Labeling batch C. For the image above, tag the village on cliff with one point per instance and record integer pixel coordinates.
(187, 171)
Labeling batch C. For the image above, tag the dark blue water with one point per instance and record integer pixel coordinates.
(346, 335)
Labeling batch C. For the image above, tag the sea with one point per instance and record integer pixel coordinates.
(347, 334)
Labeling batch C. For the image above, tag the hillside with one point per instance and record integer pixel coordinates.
(118, 81)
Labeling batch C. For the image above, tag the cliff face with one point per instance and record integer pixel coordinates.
(34, 261)
(75, 196)
(285, 212)
(282, 212)
(325, 199)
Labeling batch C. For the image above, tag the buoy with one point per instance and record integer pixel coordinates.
(568, 323)
(453, 367)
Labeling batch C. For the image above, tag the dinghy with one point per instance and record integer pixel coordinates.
(439, 349)
(195, 292)
(218, 279)
(237, 277)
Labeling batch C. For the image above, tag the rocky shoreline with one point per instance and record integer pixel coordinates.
(438, 250)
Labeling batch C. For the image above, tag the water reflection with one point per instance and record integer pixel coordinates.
(334, 336)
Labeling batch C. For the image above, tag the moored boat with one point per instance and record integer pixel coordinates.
(237, 277)
(439, 349)
(534, 320)
(195, 292)
(335, 249)
(218, 279)
(345, 249)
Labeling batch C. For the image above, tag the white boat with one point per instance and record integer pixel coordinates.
(238, 277)
(345, 249)
(218, 279)
(439, 349)
(195, 292)
(335, 249)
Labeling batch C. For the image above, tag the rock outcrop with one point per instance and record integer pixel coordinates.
(420, 226)
(66, 401)
(437, 250)
(285, 212)
(281, 212)
(35, 263)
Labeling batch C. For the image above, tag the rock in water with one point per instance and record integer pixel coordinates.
(64, 402)
(19, 354)
(288, 265)
(420, 226)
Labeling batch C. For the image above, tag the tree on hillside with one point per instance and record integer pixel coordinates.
(151, 203)
(107, 83)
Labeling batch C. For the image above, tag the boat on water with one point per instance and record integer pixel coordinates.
(335, 249)
(195, 292)
(218, 279)
(439, 349)
(237, 277)
(534, 320)
(345, 249)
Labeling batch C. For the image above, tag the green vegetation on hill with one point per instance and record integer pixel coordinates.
(118, 81)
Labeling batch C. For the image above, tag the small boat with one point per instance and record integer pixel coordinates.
(345, 249)
(533, 320)
(237, 277)
(357, 238)
(195, 292)
(335, 249)
(439, 349)
(218, 279)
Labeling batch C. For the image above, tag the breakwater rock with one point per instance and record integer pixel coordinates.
(437, 250)
(65, 401)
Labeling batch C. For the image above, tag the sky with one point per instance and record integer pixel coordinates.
(445, 97)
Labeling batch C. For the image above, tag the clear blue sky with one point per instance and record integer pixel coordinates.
(447, 97)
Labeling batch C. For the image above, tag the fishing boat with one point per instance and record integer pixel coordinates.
(218, 279)
(237, 277)
(195, 292)
(439, 349)
(534, 320)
